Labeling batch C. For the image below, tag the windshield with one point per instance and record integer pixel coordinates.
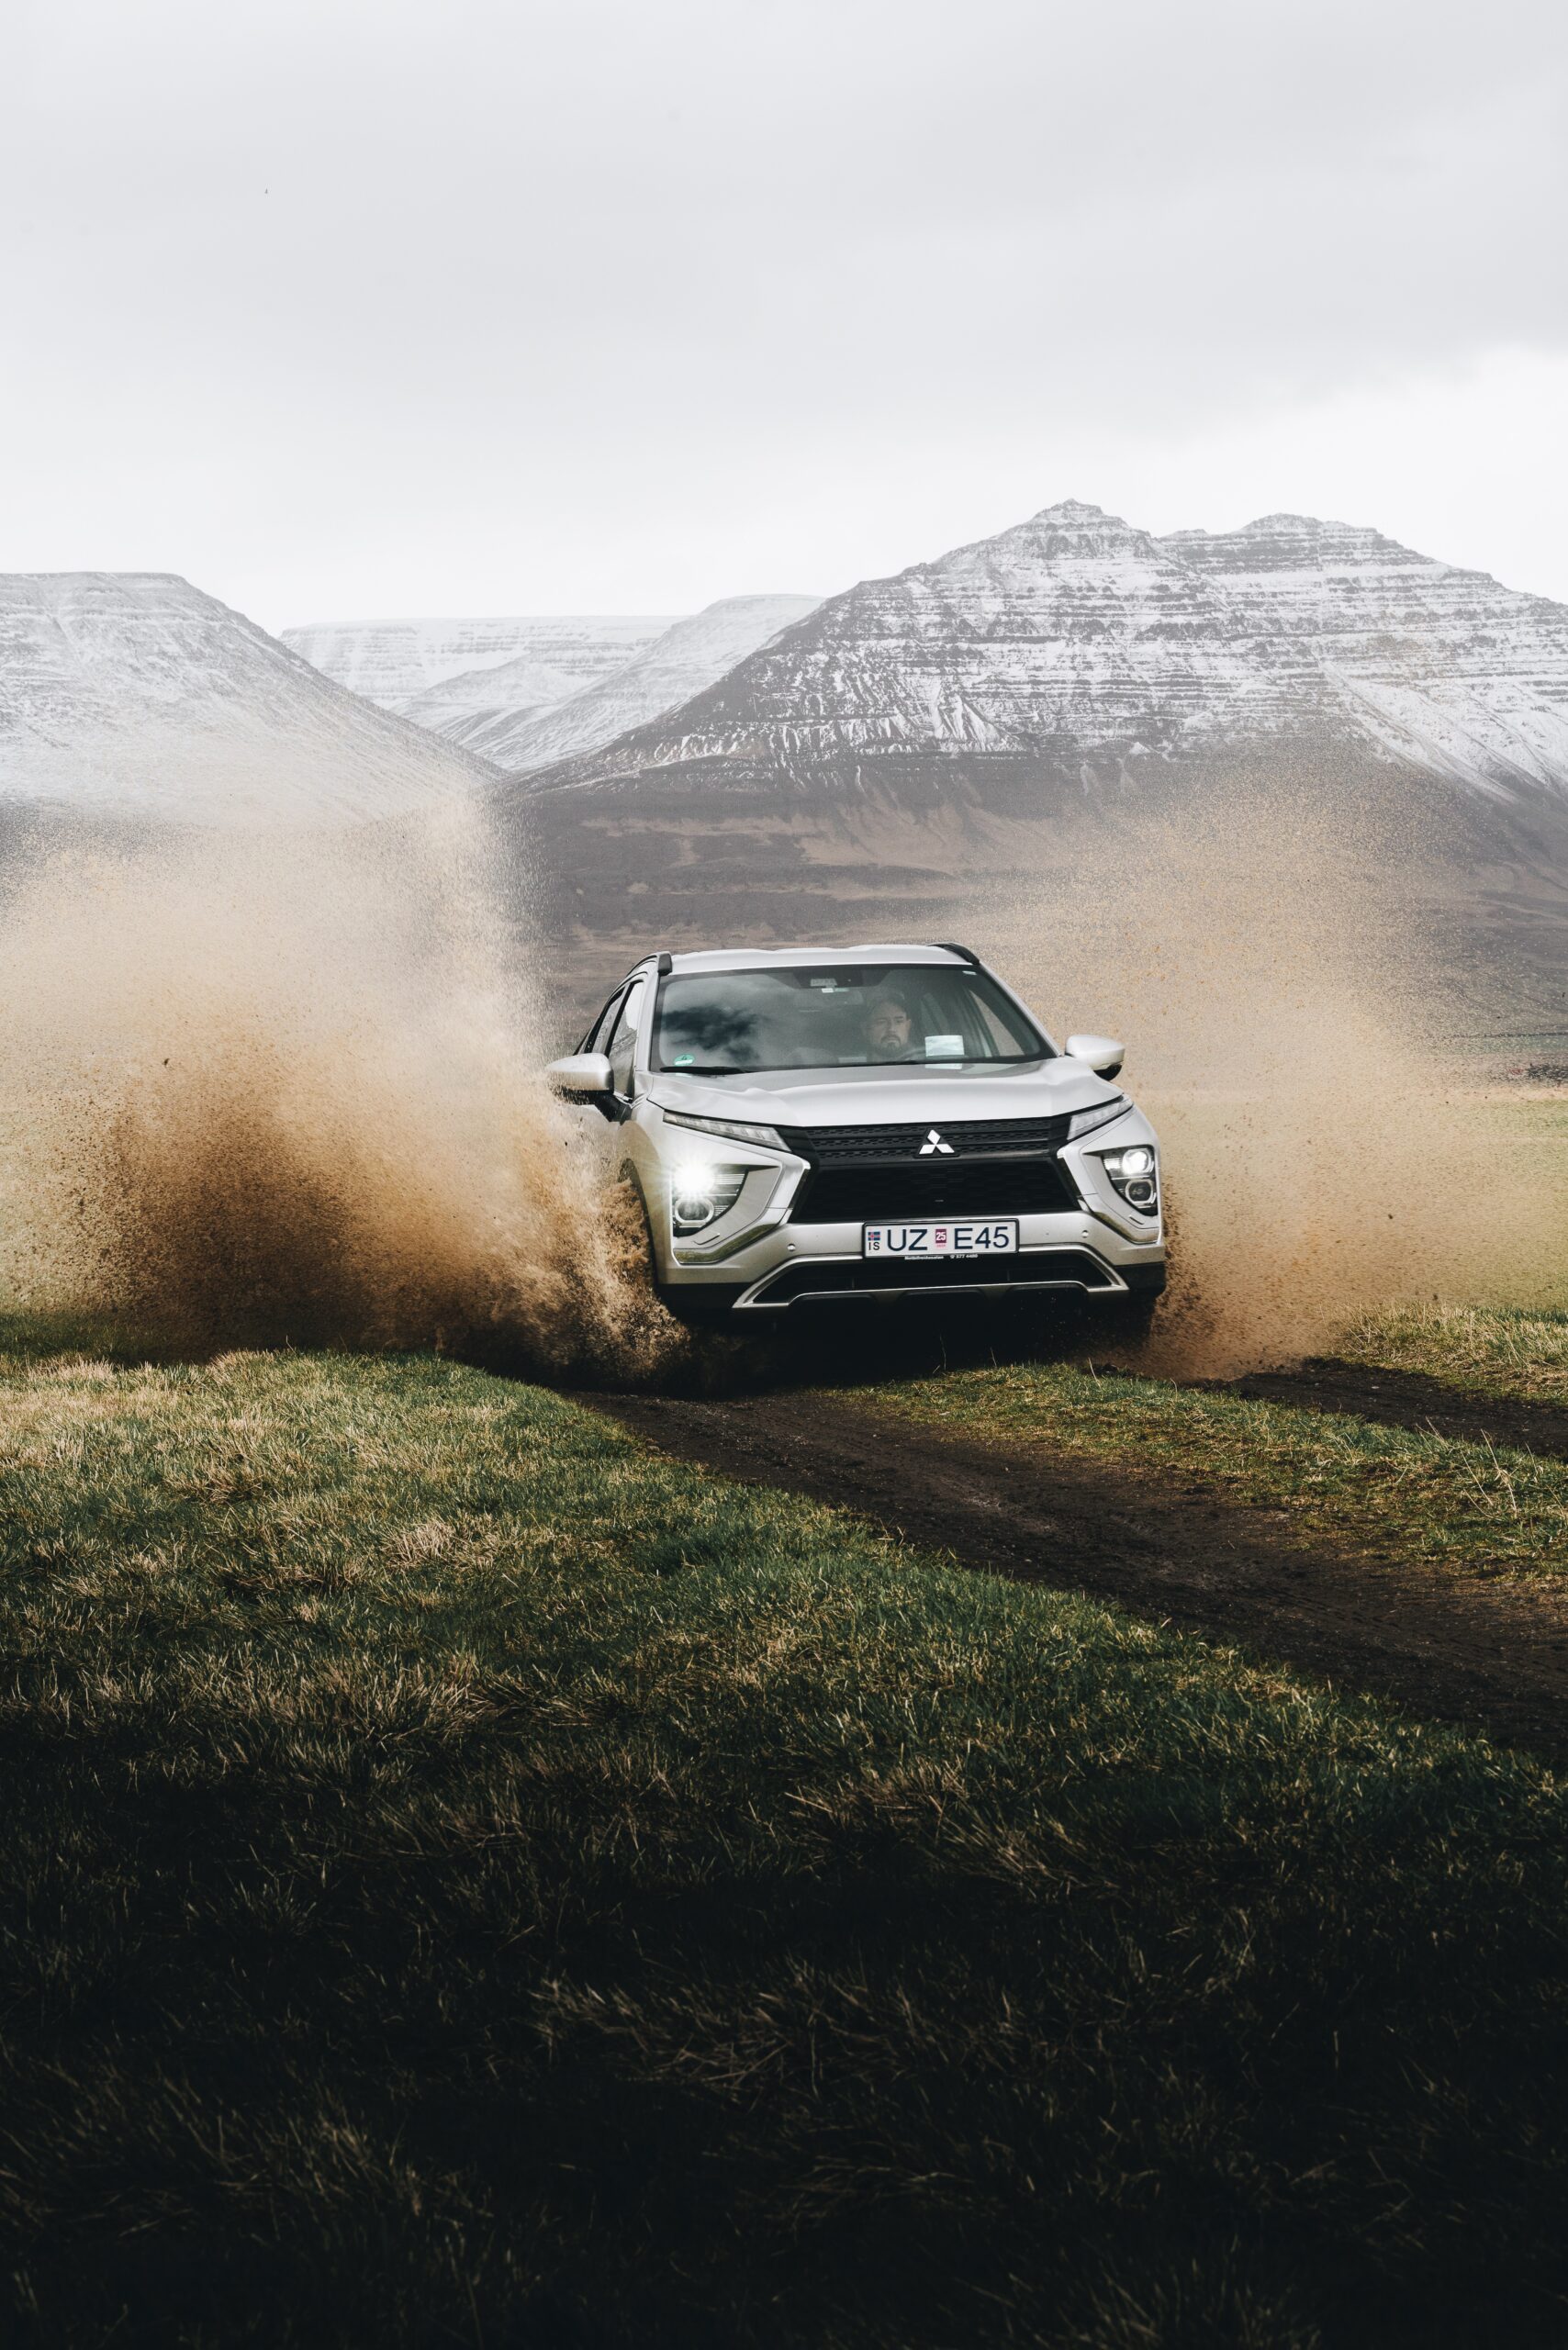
(717, 1024)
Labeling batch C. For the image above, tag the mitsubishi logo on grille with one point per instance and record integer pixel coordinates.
(934, 1142)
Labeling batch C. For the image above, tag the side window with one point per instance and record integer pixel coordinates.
(622, 1045)
(597, 1039)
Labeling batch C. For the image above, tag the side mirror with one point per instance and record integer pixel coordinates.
(582, 1076)
(1104, 1054)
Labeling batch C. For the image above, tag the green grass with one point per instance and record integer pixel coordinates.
(469, 1881)
(1496, 1350)
(1526, 1115)
(1384, 1492)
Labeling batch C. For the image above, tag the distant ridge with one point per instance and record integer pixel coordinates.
(504, 714)
(131, 695)
(392, 662)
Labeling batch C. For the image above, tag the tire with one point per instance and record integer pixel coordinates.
(1126, 1321)
(697, 1310)
(680, 1303)
(629, 1212)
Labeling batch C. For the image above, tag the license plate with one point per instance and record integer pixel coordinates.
(939, 1239)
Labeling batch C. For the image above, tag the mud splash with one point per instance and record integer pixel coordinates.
(269, 1091)
(258, 1091)
(1329, 1145)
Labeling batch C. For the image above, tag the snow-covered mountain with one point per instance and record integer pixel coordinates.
(477, 701)
(390, 662)
(1443, 668)
(1052, 700)
(1076, 650)
(132, 695)
(510, 717)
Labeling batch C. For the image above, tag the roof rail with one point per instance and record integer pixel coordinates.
(963, 954)
(666, 966)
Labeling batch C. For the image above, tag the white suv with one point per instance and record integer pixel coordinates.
(821, 1124)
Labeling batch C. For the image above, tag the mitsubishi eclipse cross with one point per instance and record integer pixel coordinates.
(814, 1124)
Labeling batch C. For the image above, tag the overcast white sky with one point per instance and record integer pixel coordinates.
(350, 310)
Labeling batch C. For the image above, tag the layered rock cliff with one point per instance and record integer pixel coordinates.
(1075, 648)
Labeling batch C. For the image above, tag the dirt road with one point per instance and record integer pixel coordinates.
(1455, 1646)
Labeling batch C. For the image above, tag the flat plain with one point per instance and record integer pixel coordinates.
(474, 1875)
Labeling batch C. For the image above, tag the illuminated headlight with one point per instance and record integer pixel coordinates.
(1135, 1174)
(700, 1195)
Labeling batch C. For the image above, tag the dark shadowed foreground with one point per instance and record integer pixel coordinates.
(472, 1881)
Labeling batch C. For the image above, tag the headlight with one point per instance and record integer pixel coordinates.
(1085, 1121)
(1135, 1174)
(728, 1130)
(700, 1195)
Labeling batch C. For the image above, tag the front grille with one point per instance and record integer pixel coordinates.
(945, 1187)
(838, 1277)
(971, 1137)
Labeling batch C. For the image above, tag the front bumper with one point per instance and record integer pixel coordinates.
(815, 1264)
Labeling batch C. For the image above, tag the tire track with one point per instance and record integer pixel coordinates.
(1487, 1655)
(1408, 1399)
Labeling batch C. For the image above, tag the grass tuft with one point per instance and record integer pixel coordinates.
(1498, 1350)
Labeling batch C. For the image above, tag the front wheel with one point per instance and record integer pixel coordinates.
(703, 1308)
(708, 1308)
(1128, 1320)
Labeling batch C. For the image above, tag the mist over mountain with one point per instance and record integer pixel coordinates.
(478, 703)
(1036, 698)
(132, 696)
(1031, 702)
(508, 715)
(392, 662)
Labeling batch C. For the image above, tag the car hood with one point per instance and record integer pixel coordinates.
(890, 1096)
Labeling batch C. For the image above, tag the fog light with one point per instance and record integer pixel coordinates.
(700, 1195)
(1134, 1174)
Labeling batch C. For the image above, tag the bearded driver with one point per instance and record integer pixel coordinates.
(888, 1029)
